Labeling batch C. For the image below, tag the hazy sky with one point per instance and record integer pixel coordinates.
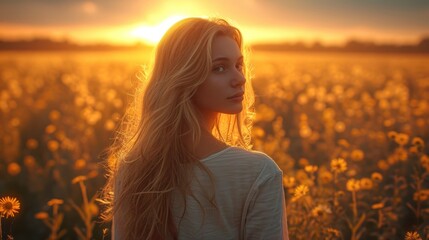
(329, 21)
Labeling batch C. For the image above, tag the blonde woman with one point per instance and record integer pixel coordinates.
(183, 168)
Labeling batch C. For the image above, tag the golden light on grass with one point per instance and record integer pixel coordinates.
(9, 206)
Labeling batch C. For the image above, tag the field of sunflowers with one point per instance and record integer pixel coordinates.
(348, 130)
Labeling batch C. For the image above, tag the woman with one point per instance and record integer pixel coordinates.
(183, 168)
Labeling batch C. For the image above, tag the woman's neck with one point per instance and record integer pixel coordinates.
(207, 144)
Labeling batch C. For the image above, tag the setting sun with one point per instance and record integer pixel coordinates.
(152, 34)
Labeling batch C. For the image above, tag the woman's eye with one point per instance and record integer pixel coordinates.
(219, 69)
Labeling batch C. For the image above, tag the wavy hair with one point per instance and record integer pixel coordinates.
(149, 158)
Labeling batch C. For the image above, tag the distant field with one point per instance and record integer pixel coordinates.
(348, 130)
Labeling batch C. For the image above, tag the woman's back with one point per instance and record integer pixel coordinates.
(198, 98)
(248, 193)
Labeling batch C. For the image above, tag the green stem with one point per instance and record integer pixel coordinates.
(418, 188)
(335, 193)
(355, 212)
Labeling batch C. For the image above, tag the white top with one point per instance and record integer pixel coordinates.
(249, 194)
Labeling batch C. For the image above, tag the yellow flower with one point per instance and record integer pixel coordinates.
(412, 236)
(92, 174)
(418, 141)
(376, 176)
(424, 160)
(343, 143)
(79, 164)
(421, 195)
(413, 149)
(366, 183)
(301, 176)
(29, 161)
(305, 131)
(9, 206)
(50, 129)
(351, 173)
(311, 168)
(383, 165)
(54, 115)
(402, 139)
(32, 143)
(392, 159)
(55, 201)
(357, 155)
(320, 210)
(303, 162)
(299, 192)
(353, 185)
(13, 168)
(325, 176)
(288, 182)
(338, 165)
(109, 125)
(340, 127)
(53, 145)
(93, 209)
(392, 135)
(401, 154)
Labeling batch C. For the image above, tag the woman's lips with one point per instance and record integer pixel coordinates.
(237, 97)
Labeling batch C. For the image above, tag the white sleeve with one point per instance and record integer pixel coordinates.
(266, 215)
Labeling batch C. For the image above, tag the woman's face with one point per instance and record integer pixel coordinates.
(222, 91)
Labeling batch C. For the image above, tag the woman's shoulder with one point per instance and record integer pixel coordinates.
(255, 158)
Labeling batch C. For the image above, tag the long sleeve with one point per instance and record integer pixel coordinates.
(266, 215)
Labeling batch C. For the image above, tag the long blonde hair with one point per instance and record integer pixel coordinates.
(149, 158)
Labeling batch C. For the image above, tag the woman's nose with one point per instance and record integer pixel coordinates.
(239, 78)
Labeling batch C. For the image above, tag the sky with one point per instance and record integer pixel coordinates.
(126, 22)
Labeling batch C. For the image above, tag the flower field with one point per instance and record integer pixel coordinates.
(348, 130)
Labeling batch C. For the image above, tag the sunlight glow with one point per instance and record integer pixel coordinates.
(152, 34)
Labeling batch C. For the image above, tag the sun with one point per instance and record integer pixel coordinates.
(151, 34)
